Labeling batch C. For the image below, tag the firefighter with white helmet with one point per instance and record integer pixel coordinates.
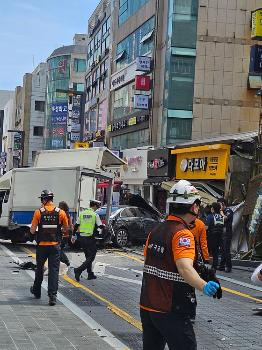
(169, 278)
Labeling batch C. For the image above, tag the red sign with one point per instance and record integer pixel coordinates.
(142, 82)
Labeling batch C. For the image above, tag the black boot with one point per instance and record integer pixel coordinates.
(91, 276)
(35, 293)
(52, 300)
(77, 275)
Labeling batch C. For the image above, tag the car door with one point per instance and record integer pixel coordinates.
(129, 219)
(149, 221)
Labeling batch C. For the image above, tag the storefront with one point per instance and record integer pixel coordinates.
(160, 168)
(206, 167)
(134, 173)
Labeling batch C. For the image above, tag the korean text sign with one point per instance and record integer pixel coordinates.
(202, 162)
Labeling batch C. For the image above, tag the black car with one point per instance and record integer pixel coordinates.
(129, 224)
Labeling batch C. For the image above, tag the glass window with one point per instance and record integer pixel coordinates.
(79, 65)
(181, 83)
(184, 23)
(128, 8)
(133, 45)
(40, 106)
(79, 87)
(38, 131)
(131, 140)
(178, 128)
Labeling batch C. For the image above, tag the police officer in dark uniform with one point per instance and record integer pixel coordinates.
(51, 222)
(215, 227)
(227, 213)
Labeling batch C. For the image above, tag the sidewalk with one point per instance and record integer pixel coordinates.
(27, 323)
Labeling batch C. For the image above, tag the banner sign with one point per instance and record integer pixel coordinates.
(255, 65)
(59, 113)
(202, 162)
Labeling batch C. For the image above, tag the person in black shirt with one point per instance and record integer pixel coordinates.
(227, 213)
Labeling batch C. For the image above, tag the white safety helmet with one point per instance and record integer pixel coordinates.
(183, 192)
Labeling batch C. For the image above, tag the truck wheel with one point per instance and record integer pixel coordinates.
(121, 238)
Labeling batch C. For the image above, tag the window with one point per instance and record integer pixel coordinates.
(79, 65)
(33, 156)
(131, 140)
(136, 44)
(178, 129)
(129, 213)
(128, 8)
(80, 87)
(184, 23)
(38, 131)
(181, 83)
(40, 106)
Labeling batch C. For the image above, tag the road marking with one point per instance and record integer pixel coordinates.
(130, 257)
(123, 279)
(110, 306)
(243, 284)
(108, 337)
(232, 291)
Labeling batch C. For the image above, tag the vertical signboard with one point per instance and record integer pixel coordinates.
(75, 118)
(256, 23)
(58, 124)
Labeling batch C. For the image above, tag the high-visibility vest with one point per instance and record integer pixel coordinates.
(87, 222)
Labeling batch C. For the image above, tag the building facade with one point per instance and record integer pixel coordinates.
(66, 69)
(98, 71)
(34, 125)
(199, 72)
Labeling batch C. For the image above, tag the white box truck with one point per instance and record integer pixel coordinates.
(20, 189)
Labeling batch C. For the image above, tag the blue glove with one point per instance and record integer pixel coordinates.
(210, 288)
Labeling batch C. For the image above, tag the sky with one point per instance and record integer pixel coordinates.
(32, 29)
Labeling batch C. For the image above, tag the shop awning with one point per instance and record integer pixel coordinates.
(158, 180)
(106, 184)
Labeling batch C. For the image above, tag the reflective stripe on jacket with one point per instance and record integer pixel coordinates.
(163, 289)
(87, 220)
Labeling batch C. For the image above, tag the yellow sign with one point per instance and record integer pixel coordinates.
(256, 21)
(132, 121)
(109, 128)
(202, 162)
(81, 145)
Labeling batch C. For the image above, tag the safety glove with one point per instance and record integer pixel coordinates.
(210, 288)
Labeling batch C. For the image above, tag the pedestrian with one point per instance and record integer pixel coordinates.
(86, 225)
(227, 213)
(200, 235)
(215, 226)
(63, 257)
(169, 278)
(51, 221)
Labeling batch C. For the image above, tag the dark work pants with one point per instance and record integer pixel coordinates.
(225, 251)
(213, 247)
(88, 244)
(52, 253)
(160, 329)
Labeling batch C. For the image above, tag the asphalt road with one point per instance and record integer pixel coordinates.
(112, 300)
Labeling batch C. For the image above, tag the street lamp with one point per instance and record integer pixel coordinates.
(22, 133)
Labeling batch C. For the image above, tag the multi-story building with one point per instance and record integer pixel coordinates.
(200, 57)
(98, 70)
(66, 69)
(33, 125)
(24, 119)
(5, 97)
